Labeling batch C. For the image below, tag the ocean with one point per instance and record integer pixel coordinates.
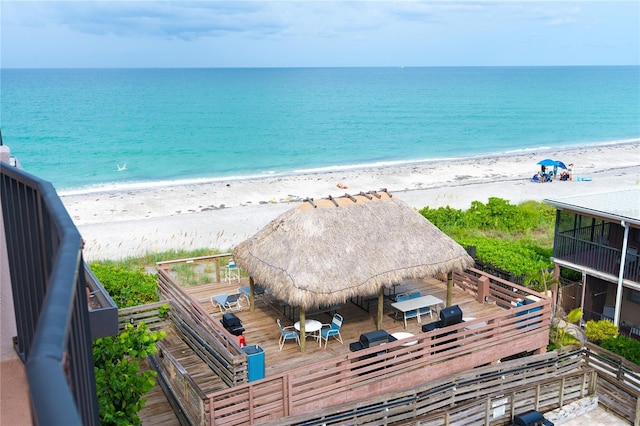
(90, 129)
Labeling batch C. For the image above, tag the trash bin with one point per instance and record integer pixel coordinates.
(255, 362)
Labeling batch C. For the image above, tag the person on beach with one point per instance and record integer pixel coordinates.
(570, 171)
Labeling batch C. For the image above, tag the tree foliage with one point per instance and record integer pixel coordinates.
(119, 382)
(515, 257)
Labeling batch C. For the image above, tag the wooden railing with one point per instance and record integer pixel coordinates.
(217, 259)
(489, 288)
(215, 345)
(486, 395)
(193, 402)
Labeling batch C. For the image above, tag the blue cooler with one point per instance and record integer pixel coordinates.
(255, 362)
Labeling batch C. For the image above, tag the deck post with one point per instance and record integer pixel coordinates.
(380, 308)
(484, 289)
(303, 337)
(449, 288)
(252, 294)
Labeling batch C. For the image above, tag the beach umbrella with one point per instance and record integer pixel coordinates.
(560, 164)
(324, 252)
(547, 162)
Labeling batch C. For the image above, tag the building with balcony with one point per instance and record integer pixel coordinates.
(598, 235)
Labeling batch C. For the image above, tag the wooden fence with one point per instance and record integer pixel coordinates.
(618, 382)
(152, 314)
(219, 349)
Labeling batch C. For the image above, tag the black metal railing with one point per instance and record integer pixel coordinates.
(595, 255)
(44, 250)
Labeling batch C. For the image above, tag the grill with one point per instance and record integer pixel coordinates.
(371, 339)
(531, 418)
(448, 316)
(232, 324)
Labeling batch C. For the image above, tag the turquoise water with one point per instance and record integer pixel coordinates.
(74, 127)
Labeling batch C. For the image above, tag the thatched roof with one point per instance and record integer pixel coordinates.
(326, 251)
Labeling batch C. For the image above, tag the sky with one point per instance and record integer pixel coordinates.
(183, 34)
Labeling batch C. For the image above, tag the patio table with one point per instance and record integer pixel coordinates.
(311, 328)
(416, 304)
(404, 335)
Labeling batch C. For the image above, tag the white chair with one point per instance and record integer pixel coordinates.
(231, 271)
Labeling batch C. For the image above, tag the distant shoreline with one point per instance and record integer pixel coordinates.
(123, 223)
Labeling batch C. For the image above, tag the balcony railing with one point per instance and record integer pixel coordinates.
(600, 257)
(49, 282)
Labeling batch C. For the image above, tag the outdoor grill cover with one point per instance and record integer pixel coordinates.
(230, 320)
(374, 338)
(450, 315)
(531, 418)
(232, 323)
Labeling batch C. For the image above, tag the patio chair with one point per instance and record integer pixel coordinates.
(632, 254)
(409, 314)
(400, 298)
(425, 310)
(258, 292)
(226, 302)
(287, 333)
(332, 329)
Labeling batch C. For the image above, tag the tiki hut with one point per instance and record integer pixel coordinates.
(324, 252)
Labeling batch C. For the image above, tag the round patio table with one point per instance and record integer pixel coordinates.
(404, 335)
(311, 328)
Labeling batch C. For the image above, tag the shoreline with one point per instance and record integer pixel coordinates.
(122, 223)
(344, 168)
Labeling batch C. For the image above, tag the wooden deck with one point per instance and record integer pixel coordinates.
(285, 389)
(261, 327)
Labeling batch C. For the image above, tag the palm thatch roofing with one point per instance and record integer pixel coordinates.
(324, 252)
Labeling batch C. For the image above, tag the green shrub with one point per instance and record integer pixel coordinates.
(515, 257)
(126, 287)
(598, 331)
(515, 238)
(625, 347)
(501, 215)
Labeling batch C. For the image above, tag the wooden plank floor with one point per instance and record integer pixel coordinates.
(157, 410)
(261, 327)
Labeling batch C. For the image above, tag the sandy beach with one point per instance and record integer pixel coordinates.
(119, 224)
